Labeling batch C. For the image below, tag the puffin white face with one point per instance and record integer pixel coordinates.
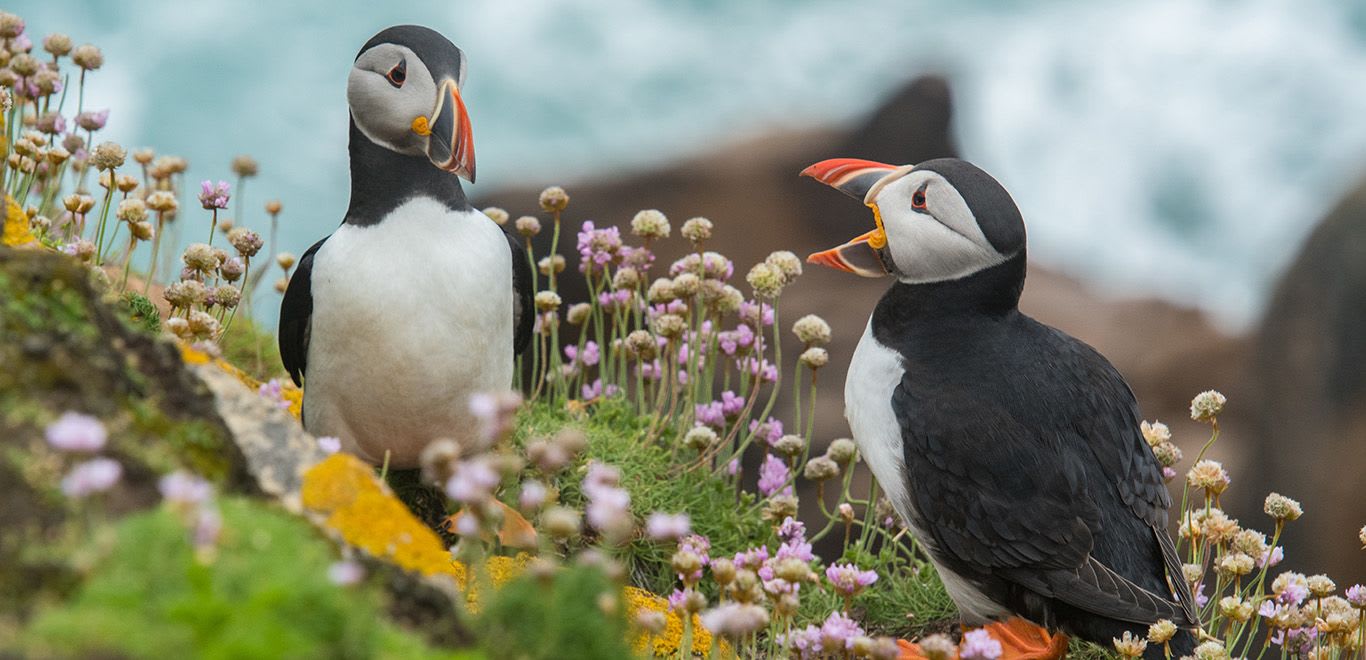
(932, 234)
(400, 105)
(941, 220)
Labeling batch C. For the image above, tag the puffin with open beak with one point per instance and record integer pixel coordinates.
(417, 300)
(1012, 450)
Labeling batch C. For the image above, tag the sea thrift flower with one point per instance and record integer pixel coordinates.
(735, 620)
(821, 468)
(812, 330)
(1209, 476)
(1161, 632)
(1290, 588)
(766, 280)
(329, 444)
(838, 632)
(773, 474)
(979, 645)
(1207, 405)
(1130, 646)
(756, 314)
(473, 482)
(107, 156)
(553, 199)
(88, 57)
(92, 120)
(346, 573)
(75, 432)
(597, 247)
(938, 647)
(208, 526)
(182, 488)
(1280, 507)
(848, 580)
(1155, 433)
(770, 432)
(93, 476)
(665, 526)
(214, 196)
(246, 241)
(696, 230)
(709, 414)
(547, 301)
(273, 391)
(1356, 595)
(496, 413)
(650, 224)
(533, 495)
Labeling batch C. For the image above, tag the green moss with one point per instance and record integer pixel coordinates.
(578, 613)
(264, 594)
(252, 348)
(656, 482)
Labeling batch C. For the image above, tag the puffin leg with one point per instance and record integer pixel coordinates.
(1022, 640)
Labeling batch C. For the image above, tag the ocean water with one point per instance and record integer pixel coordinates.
(1179, 148)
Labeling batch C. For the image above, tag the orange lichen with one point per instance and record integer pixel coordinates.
(16, 225)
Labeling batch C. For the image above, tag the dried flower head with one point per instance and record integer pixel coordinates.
(142, 231)
(842, 451)
(285, 260)
(790, 445)
(821, 468)
(578, 313)
(107, 156)
(497, 215)
(787, 263)
(780, 507)
(547, 301)
(131, 210)
(700, 438)
(670, 326)
(528, 226)
(1235, 608)
(1209, 476)
(1155, 433)
(661, 291)
(227, 296)
(1161, 632)
(162, 201)
(185, 293)
(1282, 508)
(200, 257)
(11, 25)
(88, 57)
(554, 199)
(812, 330)
(696, 230)
(650, 224)
(1213, 650)
(244, 166)
(1129, 646)
(1167, 454)
(232, 269)
(641, 345)
(547, 264)
(1321, 586)
(1235, 564)
(814, 358)
(1207, 405)
(57, 44)
(938, 647)
(203, 325)
(766, 280)
(686, 285)
(247, 242)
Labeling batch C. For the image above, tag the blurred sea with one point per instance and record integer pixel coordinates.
(1181, 148)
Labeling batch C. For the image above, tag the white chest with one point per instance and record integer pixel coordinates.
(410, 317)
(874, 374)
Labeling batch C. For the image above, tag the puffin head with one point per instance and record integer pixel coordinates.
(941, 220)
(404, 93)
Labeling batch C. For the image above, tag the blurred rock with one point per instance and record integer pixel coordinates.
(1309, 369)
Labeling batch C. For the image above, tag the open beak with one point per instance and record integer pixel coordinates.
(854, 177)
(450, 145)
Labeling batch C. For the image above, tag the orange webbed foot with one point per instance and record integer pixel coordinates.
(1019, 639)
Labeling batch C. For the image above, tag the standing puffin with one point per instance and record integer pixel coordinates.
(1012, 450)
(417, 300)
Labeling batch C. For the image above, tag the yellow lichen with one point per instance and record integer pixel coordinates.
(292, 394)
(16, 225)
(667, 642)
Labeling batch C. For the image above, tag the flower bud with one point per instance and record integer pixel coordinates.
(497, 215)
(554, 199)
(821, 468)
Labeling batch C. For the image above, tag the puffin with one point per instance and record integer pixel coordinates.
(1012, 450)
(417, 300)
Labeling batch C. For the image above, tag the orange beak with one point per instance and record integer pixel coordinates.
(450, 145)
(854, 177)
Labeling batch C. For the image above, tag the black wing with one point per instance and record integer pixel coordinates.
(523, 311)
(1036, 473)
(296, 314)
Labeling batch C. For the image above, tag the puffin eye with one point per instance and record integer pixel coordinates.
(398, 74)
(918, 200)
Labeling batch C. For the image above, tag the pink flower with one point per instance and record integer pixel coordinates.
(698, 545)
(597, 247)
(347, 572)
(1356, 595)
(770, 432)
(666, 526)
(731, 405)
(329, 444)
(979, 645)
(752, 558)
(533, 495)
(1271, 557)
(93, 476)
(839, 631)
(753, 312)
(677, 599)
(473, 482)
(848, 580)
(181, 487)
(208, 526)
(213, 196)
(733, 467)
(639, 258)
(76, 432)
(710, 414)
(92, 120)
(596, 389)
(274, 392)
(773, 475)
